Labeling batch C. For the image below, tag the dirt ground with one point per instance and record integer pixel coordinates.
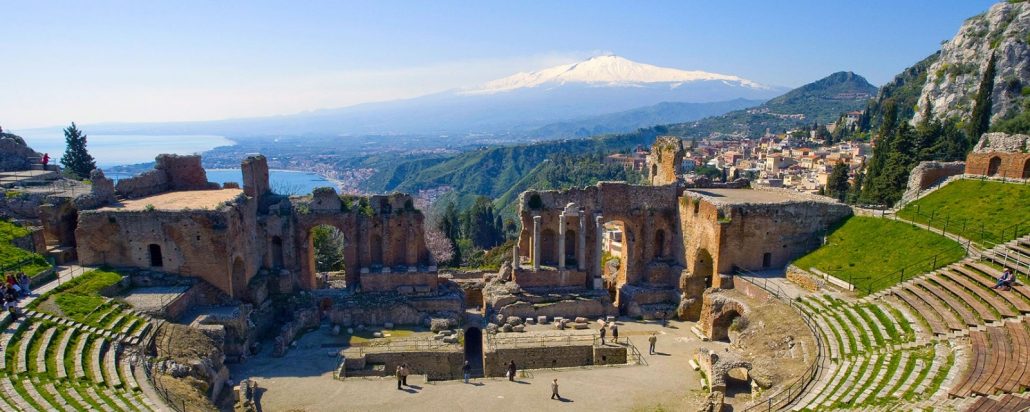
(775, 340)
(192, 199)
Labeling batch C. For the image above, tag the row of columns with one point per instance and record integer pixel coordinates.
(581, 237)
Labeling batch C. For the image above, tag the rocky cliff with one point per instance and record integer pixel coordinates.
(953, 80)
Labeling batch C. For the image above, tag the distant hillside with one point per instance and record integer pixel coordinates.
(821, 101)
(626, 121)
(903, 90)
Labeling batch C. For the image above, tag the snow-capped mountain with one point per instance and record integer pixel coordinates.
(607, 70)
(518, 104)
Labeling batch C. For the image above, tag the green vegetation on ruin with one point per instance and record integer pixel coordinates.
(79, 299)
(865, 250)
(982, 211)
(13, 258)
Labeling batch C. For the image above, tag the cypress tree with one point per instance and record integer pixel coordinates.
(837, 184)
(980, 120)
(77, 161)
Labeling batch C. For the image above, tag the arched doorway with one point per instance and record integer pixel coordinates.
(993, 166)
(616, 250)
(474, 350)
(738, 383)
(548, 248)
(326, 256)
(703, 267)
(1026, 169)
(724, 323)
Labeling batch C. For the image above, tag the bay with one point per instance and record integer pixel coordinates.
(114, 150)
(288, 182)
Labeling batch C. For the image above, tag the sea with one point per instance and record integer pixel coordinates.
(117, 150)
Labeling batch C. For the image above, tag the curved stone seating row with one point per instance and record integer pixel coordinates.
(1014, 255)
(998, 361)
(1002, 403)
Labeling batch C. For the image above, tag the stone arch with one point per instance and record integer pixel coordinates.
(704, 266)
(548, 247)
(993, 166)
(718, 312)
(1026, 169)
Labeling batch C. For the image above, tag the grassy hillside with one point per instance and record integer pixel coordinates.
(13, 258)
(621, 122)
(864, 250)
(976, 210)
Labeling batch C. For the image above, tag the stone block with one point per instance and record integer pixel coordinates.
(579, 325)
(506, 328)
(518, 328)
(423, 289)
(541, 319)
(580, 319)
(530, 321)
(405, 290)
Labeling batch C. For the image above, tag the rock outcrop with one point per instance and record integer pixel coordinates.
(14, 153)
(953, 80)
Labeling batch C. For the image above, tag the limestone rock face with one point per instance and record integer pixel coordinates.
(14, 154)
(953, 80)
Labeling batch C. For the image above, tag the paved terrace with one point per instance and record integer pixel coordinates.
(173, 201)
(757, 196)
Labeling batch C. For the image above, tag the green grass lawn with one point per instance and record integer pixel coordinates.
(13, 258)
(969, 206)
(79, 297)
(865, 250)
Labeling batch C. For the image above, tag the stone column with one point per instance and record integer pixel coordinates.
(515, 258)
(581, 242)
(598, 237)
(536, 242)
(561, 241)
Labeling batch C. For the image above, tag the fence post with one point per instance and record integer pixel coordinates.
(934, 262)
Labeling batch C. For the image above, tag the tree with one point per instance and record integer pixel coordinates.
(837, 184)
(328, 242)
(980, 120)
(77, 161)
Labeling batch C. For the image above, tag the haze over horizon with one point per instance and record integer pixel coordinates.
(117, 62)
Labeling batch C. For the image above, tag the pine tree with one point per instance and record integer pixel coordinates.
(980, 120)
(837, 184)
(77, 161)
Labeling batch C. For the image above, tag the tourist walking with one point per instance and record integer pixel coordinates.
(554, 390)
(511, 371)
(615, 333)
(603, 332)
(404, 374)
(25, 283)
(466, 369)
(652, 340)
(45, 160)
(399, 378)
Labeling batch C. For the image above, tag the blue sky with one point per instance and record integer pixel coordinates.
(106, 61)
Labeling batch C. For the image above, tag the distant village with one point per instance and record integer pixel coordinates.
(793, 160)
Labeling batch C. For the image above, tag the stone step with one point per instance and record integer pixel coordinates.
(111, 365)
(861, 397)
(125, 366)
(115, 323)
(910, 380)
(896, 378)
(117, 400)
(30, 389)
(24, 343)
(96, 351)
(825, 379)
(16, 399)
(44, 346)
(842, 371)
(79, 353)
(7, 339)
(68, 399)
(104, 404)
(883, 337)
(5, 404)
(62, 350)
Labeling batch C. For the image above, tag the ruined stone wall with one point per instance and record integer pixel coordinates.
(144, 184)
(436, 365)
(204, 244)
(1001, 155)
(541, 357)
(171, 172)
(664, 162)
(255, 176)
(784, 231)
(928, 174)
(550, 278)
(644, 211)
(405, 283)
(701, 239)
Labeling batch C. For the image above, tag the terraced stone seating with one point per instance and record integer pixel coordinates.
(876, 358)
(998, 362)
(1002, 403)
(1014, 255)
(50, 363)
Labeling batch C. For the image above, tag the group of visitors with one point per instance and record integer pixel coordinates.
(402, 375)
(14, 287)
(614, 330)
(1006, 280)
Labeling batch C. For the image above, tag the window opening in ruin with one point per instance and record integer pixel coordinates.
(766, 260)
(654, 172)
(376, 250)
(155, 256)
(993, 166)
(548, 248)
(1026, 169)
(277, 252)
(474, 350)
(703, 267)
(239, 276)
(723, 324)
(327, 255)
(615, 248)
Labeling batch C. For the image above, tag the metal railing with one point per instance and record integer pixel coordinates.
(1003, 255)
(786, 396)
(884, 281)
